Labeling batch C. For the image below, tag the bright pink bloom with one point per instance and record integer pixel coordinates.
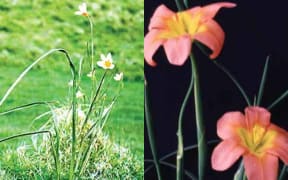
(252, 136)
(177, 31)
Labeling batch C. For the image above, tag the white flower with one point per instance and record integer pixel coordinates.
(82, 10)
(70, 83)
(90, 74)
(79, 94)
(118, 76)
(106, 62)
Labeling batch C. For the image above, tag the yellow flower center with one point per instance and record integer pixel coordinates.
(182, 23)
(107, 63)
(257, 140)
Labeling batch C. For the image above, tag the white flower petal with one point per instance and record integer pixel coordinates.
(100, 63)
(109, 57)
(78, 13)
(103, 57)
(118, 76)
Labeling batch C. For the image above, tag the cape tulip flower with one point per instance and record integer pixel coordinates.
(252, 136)
(118, 76)
(82, 10)
(106, 62)
(177, 31)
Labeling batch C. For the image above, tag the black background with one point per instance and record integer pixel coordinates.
(254, 30)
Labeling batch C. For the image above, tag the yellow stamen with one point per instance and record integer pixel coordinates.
(257, 140)
(107, 64)
(182, 23)
(85, 14)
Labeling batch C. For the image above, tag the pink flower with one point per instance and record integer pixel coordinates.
(252, 136)
(177, 31)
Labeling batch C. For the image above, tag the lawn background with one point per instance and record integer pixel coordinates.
(30, 28)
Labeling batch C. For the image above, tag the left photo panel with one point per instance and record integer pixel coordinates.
(71, 89)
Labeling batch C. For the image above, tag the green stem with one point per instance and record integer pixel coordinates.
(151, 136)
(283, 173)
(186, 4)
(284, 95)
(23, 134)
(239, 175)
(175, 152)
(180, 152)
(92, 43)
(179, 5)
(74, 119)
(199, 121)
(244, 95)
(263, 79)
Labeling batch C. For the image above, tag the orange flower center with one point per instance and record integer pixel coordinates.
(182, 23)
(257, 140)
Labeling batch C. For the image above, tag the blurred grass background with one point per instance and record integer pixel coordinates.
(30, 28)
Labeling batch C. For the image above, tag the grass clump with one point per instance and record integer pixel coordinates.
(107, 159)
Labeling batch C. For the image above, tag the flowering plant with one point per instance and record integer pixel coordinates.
(71, 142)
(252, 135)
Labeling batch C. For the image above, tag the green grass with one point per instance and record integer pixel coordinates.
(30, 28)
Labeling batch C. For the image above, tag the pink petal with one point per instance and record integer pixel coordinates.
(157, 20)
(280, 147)
(257, 115)
(195, 10)
(211, 10)
(261, 168)
(151, 44)
(178, 49)
(211, 35)
(227, 125)
(225, 154)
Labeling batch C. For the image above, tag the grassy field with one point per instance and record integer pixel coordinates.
(30, 28)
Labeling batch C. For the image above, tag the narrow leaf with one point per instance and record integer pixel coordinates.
(244, 95)
(263, 80)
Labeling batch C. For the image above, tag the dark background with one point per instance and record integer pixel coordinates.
(254, 30)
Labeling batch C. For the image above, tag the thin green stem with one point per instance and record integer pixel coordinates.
(239, 175)
(202, 150)
(187, 173)
(186, 3)
(92, 43)
(23, 134)
(151, 135)
(22, 107)
(284, 95)
(283, 172)
(263, 79)
(74, 119)
(93, 101)
(179, 5)
(23, 74)
(175, 152)
(180, 152)
(244, 95)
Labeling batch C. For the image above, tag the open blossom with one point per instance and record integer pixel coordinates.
(252, 136)
(118, 76)
(82, 10)
(106, 62)
(177, 31)
(79, 94)
(90, 74)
